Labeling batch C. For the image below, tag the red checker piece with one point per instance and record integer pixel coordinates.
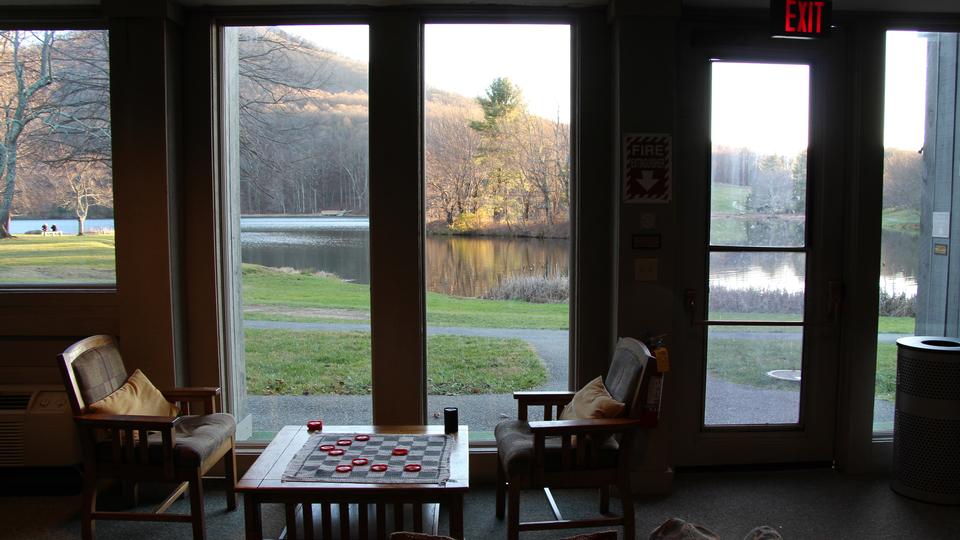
(379, 467)
(344, 442)
(398, 451)
(360, 461)
(362, 438)
(412, 467)
(326, 447)
(335, 452)
(314, 425)
(344, 468)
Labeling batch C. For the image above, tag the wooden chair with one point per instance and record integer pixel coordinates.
(575, 453)
(166, 449)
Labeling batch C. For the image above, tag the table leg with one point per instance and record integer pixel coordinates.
(308, 520)
(456, 516)
(252, 519)
(291, 509)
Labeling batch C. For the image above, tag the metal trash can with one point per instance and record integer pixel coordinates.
(926, 425)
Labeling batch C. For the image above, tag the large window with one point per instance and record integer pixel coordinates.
(497, 175)
(758, 248)
(918, 288)
(56, 192)
(295, 153)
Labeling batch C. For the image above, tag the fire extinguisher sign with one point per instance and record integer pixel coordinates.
(647, 168)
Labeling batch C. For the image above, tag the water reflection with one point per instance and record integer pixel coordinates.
(458, 266)
(470, 266)
(899, 258)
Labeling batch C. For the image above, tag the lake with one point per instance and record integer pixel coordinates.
(456, 265)
(470, 266)
(67, 226)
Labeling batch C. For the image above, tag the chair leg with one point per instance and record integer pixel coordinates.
(230, 466)
(605, 500)
(501, 489)
(626, 501)
(513, 512)
(196, 505)
(88, 505)
(129, 494)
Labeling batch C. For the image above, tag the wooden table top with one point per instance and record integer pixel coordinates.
(267, 471)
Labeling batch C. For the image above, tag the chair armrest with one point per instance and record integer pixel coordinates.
(128, 421)
(570, 427)
(205, 395)
(191, 392)
(538, 398)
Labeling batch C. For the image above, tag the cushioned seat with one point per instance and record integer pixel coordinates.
(515, 448)
(589, 445)
(112, 410)
(197, 438)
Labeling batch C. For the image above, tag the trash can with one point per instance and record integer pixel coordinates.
(926, 425)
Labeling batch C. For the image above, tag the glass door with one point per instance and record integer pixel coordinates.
(765, 294)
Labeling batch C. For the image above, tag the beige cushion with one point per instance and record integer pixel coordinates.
(137, 396)
(592, 401)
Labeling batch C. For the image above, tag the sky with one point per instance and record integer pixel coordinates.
(763, 105)
(905, 91)
(760, 106)
(465, 58)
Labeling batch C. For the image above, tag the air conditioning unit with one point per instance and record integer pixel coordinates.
(36, 427)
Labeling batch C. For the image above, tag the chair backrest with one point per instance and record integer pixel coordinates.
(629, 372)
(91, 370)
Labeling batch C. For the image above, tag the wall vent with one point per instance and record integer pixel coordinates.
(11, 442)
(14, 402)
(36, 427)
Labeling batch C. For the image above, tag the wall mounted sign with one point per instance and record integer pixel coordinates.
(647, 168)
(807, 19)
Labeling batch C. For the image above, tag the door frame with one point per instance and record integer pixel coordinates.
(814, 437)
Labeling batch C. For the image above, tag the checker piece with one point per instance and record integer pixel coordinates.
(360, 461)
(344, 468)
(412, 467)
(379, 467)
(326, 447)
(344, 442)
(398, 451)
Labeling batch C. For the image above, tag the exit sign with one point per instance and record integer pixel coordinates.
(807, 19)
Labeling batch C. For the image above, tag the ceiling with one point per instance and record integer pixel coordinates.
(913, 6)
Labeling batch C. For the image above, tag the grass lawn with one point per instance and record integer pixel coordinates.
(747, 361)
(312, 298)
(728, 198)
(31, 258)
(321, 362)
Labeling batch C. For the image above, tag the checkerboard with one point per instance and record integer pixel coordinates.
(431, 452)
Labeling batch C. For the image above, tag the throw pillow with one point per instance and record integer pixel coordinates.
(137, 396)
(592, 401)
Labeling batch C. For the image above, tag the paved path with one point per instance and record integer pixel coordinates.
(728, 402)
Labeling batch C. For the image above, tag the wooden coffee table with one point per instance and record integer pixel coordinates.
(263, 484)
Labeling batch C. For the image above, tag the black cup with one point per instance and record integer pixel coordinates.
(450, 420)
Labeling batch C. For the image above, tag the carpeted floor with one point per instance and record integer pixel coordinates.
(814, 504)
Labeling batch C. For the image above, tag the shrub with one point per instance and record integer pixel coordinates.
(897, 305)
(534, 289)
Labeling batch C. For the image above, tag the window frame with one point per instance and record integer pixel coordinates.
(602, 303)
(56, 19)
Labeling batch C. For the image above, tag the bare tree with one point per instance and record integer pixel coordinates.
(88, 184)
(25, 70)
